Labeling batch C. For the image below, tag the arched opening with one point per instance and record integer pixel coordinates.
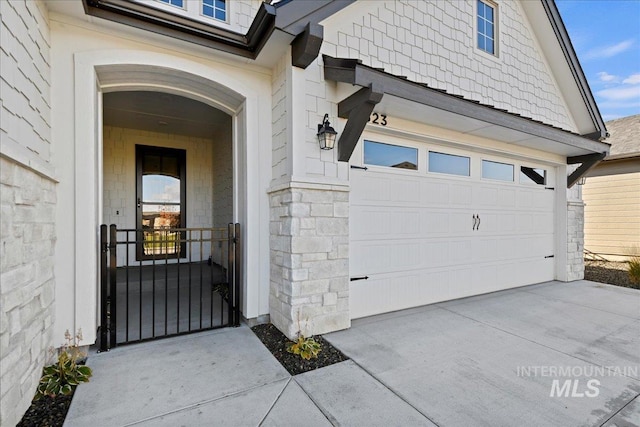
(236, 101)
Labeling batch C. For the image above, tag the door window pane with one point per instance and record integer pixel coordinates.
(496, 170)
(394, 156)
(449, 163)
(533, 176)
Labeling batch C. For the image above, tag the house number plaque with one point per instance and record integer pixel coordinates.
(378, 119)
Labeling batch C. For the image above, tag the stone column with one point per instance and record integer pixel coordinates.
(309, 250)
(575, 240)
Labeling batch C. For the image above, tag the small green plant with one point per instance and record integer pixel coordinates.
(306, 348)
(61, 377)
(634, 269)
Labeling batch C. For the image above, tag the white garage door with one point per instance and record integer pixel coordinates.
(420, 236)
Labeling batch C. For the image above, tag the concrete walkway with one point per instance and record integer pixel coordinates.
(488, 360)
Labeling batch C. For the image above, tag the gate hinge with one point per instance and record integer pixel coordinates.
(549, 188)
(353, 279)
(549, 256)
(359, 167)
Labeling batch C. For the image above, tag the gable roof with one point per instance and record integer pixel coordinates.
(624, 137)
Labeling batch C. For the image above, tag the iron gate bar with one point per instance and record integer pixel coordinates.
(237, 281)
(104, 294)
(113, 239)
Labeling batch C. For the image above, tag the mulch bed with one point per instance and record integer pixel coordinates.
(276, 342)
(613, 273)
(47, 412)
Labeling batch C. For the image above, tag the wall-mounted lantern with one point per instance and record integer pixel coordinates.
(326, 134)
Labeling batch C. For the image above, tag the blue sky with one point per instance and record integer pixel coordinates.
(606, 37)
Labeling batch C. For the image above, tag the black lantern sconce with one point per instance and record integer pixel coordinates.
(326, 134)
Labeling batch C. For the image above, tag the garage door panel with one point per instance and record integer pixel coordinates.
(414, 236)
(397, 292)
(385, 256)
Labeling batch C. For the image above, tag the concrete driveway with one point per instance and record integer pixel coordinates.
(555, 354)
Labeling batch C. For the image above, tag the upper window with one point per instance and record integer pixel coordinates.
(533, 176)
(394, 156)
(177, 3)
(486, 27)
(449, 163)
(215, 9)
(496, 170)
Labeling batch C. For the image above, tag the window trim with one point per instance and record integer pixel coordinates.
(496, 20)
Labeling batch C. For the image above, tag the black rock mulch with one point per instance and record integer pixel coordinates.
(613, 273)
(276, 342)
(47, 412)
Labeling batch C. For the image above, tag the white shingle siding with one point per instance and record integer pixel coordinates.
(434, 43)
(279, 163)
(27, 202)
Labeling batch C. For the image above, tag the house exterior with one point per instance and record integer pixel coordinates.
(611, 194)
(462, 128)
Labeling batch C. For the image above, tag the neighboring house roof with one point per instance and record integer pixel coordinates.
(624, 137)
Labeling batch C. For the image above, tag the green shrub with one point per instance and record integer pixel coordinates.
(634, 270)
(61, 377)
(306, 348)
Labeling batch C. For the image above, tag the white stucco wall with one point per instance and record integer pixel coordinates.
(27, 204)
(82, 53)
(433, 42)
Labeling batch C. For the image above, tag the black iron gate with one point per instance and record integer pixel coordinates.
(187, 281)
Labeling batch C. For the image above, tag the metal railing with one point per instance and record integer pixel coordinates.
(186, 281)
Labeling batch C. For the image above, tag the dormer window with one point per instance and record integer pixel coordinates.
(176, 3)
(216, 9)
(487, 26)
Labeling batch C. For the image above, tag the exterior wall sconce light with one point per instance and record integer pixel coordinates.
(326, 134)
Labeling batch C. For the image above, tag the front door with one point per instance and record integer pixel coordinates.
(160, 199)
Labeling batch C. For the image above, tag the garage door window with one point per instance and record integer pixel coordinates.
(449, 163)
(533, 176)
(393, 156)
(497, 171)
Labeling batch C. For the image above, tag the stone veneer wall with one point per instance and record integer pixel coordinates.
(27, 225)
(27, 205)
(575, 240)
(309, 250)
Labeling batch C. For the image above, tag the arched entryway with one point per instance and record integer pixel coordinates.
(101, 75)
(168, 188)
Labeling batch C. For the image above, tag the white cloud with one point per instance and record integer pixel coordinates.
(609, 51)
(621, 93)
(633, 79)
(606, 77)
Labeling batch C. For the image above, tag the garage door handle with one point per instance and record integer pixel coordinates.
(475, 222)
(353, 279)
(478, 227)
